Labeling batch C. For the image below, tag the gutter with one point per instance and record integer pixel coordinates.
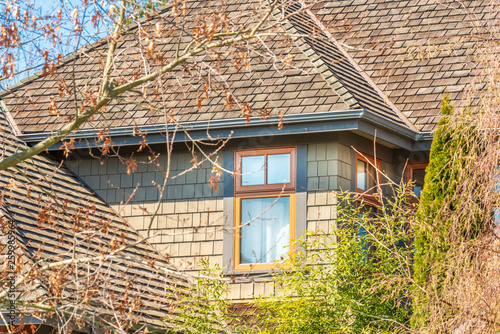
(231, 123)
(423, 141)
(347, 120)
(424, 136)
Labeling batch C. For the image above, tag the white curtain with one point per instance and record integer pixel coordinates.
(265, 234)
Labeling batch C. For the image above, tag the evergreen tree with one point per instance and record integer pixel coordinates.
(442, 226)
(438, 188)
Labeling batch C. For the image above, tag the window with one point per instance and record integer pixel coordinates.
(415, 171)
(496, 210)
(367, 178)
(496, 216)
(264, 208)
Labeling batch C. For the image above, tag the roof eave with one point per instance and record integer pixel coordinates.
(345, 120)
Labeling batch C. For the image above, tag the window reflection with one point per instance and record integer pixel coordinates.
(265, 233)
(415, 173)
(361, 175)
(418, 177)
(278, 168)
(496, 213)
(252, 169)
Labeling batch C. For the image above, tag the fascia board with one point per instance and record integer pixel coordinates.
(346, 120)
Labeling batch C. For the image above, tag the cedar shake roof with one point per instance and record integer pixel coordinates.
(337, 68)
(322, 79)
(393, 58)
(245, 315)
(412, 50)
(56, 218)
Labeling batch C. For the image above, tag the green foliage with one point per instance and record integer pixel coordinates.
(437, 190)
(206, 309)
(350, 280)
(440, 224)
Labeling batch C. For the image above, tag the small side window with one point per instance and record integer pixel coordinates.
(367, 178)
(496, 210)
(415, 171)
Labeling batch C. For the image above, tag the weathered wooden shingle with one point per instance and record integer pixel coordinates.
(413, 50)
(319, 69)
(393, 58)
(58, 218)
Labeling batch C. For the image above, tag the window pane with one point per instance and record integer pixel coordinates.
(496, 216)
(265, 233)
(365, 212)
(496, 210)
(418, 178)
(498, 178)
(252, 170)
(278, 168)
(372, 178)
(361, 175)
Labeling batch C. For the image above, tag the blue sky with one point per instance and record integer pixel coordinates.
(29, 56)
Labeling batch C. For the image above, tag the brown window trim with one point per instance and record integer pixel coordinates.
(369, 199)
(410, 167)
(288, 188)
(369, 196)
(261, 191)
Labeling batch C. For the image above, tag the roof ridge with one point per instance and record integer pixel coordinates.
(332, 81)
(365, 76)
(338, 69)
(9, 119)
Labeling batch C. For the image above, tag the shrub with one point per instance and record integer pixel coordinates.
(353, 279)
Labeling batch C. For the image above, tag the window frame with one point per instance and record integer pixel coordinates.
(262, 191)
(495, 214)
(410, 167)
(369, 197)
(288, 187)
(237, 234)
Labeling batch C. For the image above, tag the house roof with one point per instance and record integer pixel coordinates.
(394, 59)
(323, 78)
(413, 50)
(56, 218)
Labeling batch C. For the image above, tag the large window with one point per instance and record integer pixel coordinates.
(264, 215)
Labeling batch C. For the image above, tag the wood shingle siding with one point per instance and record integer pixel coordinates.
(41, 193)
(190, 220)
